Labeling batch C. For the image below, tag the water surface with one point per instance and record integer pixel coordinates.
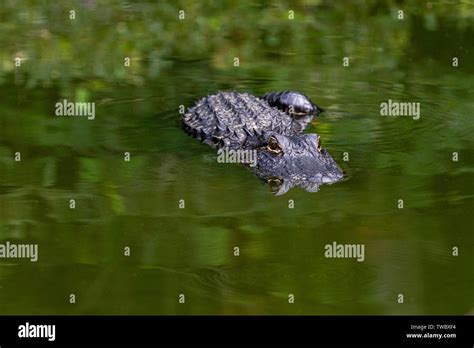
(190, 251)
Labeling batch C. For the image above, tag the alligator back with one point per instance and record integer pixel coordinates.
(238, 120)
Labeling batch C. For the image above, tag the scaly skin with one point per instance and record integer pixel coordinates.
(230, 118)
(302, 162)
(285, 156)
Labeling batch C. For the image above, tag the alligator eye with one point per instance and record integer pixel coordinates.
(218, 141)
(273, 146)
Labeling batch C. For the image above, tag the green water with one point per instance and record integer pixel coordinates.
(190, 251)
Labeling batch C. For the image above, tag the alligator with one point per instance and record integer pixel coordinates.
(272, 126)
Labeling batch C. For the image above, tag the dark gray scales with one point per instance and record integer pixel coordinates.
(233, 119)
(271, 126)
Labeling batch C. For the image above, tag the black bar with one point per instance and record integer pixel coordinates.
(241, 329)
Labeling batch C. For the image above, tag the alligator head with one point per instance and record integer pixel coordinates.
(285, 162)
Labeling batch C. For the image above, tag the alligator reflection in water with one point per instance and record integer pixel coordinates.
(272, 126)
